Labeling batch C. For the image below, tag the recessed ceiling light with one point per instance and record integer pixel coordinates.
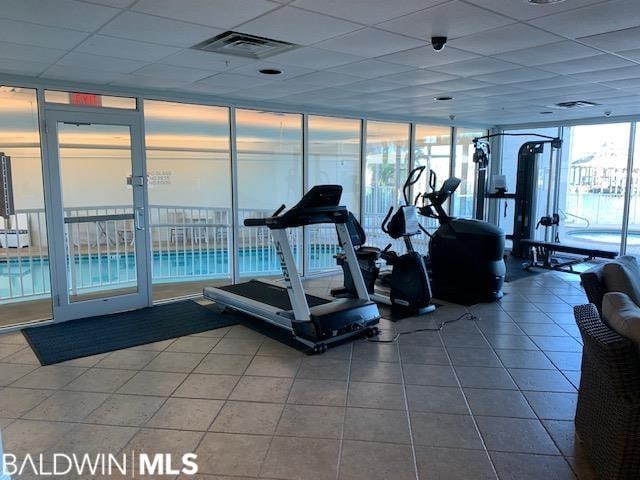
(544, 2)
(270, 71)
(444, 98)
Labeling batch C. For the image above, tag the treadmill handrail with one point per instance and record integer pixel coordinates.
(255, 222)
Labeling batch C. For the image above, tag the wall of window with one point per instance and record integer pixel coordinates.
(333, 158)
(593, 184)
(633, 237)
(463, 200)
(269, 150)
(431, 149)
(189, 169)
(509, 168)
(589, 189)
(189, 158)
(24, 263)
(387, 166)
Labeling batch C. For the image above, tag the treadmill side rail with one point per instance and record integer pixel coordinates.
(292, 280)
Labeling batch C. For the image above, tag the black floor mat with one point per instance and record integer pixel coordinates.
(268, 293)
(515, 270)
(91, 336)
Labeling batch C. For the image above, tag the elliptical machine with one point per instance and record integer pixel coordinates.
(407, 285)
(466, 256)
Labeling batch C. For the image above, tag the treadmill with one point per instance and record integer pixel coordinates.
(313, 321)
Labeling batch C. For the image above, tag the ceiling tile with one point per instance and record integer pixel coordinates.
(70, 14)
(298, 26)
(119, 47)
(631, 54)
(60, 72)
(504, 39)
(513, 76)
(141, 81)
(494, 90)
(335, 93)
(210, 61)
(418, 77)
(323, 79)
(460, 84)
(600, 62)
(551, 53)
(415, 91)
(315, 58)
(453, 19)
(609, 75)
(427, 57)
(172, 72)
(551, 82)
(371, 68)
(99, 62)
(113, 3)
(523, 10)
(205, 88)
(370, 86)
(39, 35)
(627, 39)
(368, 12)
(20, 67)
(628, 84)
(146, 28)
(233, 81)
(215, 13)
(476, 66)
(253, 69)
(371, 42)
(272, 90)
(29, 53)
(591, 20)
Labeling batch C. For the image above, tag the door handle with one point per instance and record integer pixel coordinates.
(139, 218)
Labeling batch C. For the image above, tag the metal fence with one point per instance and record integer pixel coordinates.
(188, 243)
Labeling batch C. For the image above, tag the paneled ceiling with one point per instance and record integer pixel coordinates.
(506, 61)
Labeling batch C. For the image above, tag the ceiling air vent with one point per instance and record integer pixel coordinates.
(244, 45)
(575, 104)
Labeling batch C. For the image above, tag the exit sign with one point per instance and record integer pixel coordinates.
(87, 99)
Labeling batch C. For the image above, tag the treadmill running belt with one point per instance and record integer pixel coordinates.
(268, 293)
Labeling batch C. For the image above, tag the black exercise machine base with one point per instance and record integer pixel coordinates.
(544, 255)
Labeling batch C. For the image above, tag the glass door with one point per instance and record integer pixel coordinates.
(96, 182)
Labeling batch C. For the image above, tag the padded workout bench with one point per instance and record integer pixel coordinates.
(544, 252)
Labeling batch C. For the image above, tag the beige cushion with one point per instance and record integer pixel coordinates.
(622, 315)
(623, 275)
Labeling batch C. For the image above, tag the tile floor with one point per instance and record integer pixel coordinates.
(485, 399)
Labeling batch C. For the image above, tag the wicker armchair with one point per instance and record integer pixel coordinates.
(593, 284)
(608, 413)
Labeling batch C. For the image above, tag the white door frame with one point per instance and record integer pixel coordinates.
(63, 309)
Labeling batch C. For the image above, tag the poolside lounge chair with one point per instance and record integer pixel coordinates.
(14, 231)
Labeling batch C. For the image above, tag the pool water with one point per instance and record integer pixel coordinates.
(28, 277)
(611, 237)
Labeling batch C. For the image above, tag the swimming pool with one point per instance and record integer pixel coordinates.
(608, 236)
(28, 277)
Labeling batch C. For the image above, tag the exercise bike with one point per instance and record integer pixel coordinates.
(466, 256)
(407, 285)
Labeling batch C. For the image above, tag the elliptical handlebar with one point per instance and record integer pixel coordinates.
(383, 226)
(437, 198)
(417, 173)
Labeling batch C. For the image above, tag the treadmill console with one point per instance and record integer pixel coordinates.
(320, 196)
(319, 205)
